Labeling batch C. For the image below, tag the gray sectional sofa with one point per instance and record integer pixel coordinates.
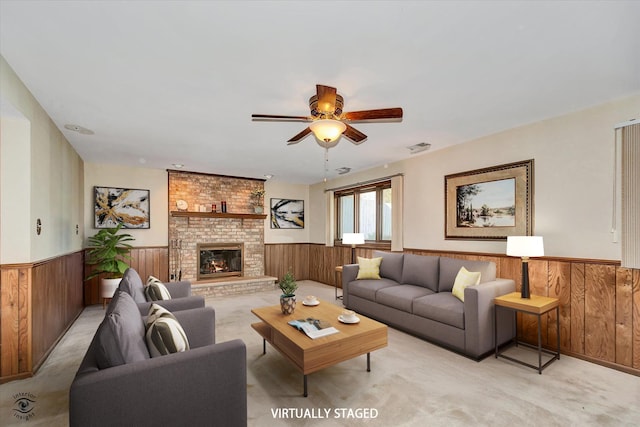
(119, 384)
(414, 295)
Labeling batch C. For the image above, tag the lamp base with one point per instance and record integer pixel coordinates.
(524, 292)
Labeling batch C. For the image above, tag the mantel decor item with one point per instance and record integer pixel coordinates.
(525, 247)
(287, 213)
(113, 206)
(490, 203)
(256, 197)
(288, 287)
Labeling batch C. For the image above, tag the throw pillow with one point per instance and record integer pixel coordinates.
(120, 336)
(155, 290)
(369, 268)
(464, 279)
(164, 333)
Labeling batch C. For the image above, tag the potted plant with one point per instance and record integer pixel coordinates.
(256, 196)
(288, 287)
(108, 251)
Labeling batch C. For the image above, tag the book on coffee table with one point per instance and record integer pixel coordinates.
(314, 328)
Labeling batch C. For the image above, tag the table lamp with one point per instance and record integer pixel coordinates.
(525, 247)
(353, 239)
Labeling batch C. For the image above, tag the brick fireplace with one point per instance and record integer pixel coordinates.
(189, 231)
(220, 260)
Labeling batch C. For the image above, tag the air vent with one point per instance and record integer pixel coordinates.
(343, 170)
(417, 148)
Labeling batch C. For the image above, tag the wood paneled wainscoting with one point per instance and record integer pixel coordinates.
(599, 300)
(39, 301)
(147, 261)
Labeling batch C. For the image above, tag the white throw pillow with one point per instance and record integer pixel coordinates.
(164, 333)
(155, 290)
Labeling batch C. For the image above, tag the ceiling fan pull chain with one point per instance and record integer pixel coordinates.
(326, 163)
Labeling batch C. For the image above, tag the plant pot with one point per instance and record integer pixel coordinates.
(107, 289)
(288, 304)
(258, 209)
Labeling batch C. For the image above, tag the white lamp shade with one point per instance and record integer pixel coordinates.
(353, 239)
(525, 246)
(327, 130)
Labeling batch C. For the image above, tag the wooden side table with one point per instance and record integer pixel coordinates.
(338, 275)
(536, 305)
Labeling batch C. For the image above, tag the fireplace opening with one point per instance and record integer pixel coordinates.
(220, 260)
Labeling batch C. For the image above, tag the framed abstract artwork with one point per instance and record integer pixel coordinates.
(490, 203)
(287, 213)
(113, 206)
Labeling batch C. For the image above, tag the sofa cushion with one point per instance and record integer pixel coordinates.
(401, 297)
(155, 290)
(464, 279)
(131, 283)
(367, 288)
(120, 336)
(442, 307)
(449, 268)
(164, 334)
(368, 268)
(421, 270)
(391, 266)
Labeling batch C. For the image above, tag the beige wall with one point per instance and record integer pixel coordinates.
(154, 180)
(51, 190)
(573, 183)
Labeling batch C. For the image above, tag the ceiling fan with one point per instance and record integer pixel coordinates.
(328, 122)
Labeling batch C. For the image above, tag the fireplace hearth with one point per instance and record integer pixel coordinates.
(216, 260)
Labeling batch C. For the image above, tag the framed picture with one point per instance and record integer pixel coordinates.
(287, 213)
(490, 203)
(121, 205)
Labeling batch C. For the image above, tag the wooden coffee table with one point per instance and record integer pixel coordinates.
(311, 355)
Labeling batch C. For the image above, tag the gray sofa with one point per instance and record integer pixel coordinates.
(414, 295)
(181, 298)
(119, 384)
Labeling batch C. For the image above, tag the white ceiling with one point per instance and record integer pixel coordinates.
(163, 82)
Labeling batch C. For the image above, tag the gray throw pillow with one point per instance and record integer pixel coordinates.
(131, 283)
(121, 334)
(391, 266)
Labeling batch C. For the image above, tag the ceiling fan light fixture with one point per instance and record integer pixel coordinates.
(327, 130)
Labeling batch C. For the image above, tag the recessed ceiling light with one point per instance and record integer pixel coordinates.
(417, 148)
(178, 165)
(79, 129)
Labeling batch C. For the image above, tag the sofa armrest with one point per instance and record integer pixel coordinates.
(202, 386)
(179, 289)
(174, 304)
(349, 274)
(199, 324)
(479, 316)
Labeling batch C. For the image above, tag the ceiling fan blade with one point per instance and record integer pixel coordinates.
(299, 136)
(354, 135)
(384, 113)
(268, 117)
(326, 98)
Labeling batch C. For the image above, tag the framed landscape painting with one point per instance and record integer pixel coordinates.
(113, 206)
(287, 213)
(490, 203)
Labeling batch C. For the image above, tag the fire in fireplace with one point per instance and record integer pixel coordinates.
(220, 260)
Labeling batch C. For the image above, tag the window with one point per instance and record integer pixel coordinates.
(365, 209)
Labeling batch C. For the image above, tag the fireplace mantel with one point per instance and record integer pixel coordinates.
(188, 214)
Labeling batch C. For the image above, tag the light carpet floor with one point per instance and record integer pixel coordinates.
(411, 383)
